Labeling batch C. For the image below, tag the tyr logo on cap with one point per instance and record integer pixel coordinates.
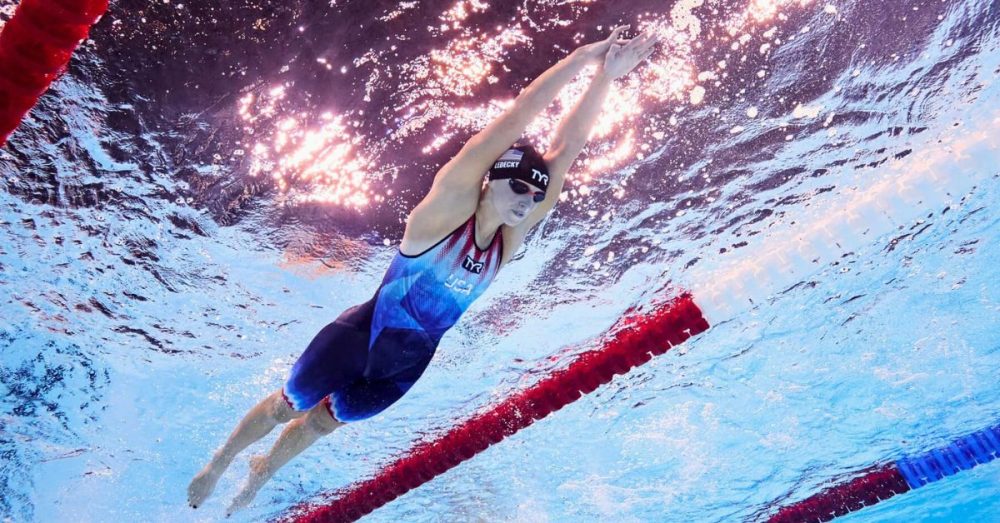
(540, 177)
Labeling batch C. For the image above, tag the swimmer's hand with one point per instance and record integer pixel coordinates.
(623, 57)
(595, 52)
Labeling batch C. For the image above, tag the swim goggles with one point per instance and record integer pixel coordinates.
(520, 187)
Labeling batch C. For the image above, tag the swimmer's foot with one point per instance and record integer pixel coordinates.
(259, 474)
(203, 484)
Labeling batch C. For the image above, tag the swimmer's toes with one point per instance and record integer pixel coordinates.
(239, 502)
(258, 476)
(202, 486)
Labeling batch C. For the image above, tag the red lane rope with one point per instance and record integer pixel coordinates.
(867, 489)
(35, 46)
(634, 341)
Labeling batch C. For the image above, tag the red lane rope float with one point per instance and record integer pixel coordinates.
(634, 341)
(35, 46)
(869, 488)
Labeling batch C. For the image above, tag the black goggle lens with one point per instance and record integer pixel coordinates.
(520, 187)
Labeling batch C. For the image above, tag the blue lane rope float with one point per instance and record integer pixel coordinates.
(963, 454)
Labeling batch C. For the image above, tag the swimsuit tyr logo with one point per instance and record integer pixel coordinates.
(472, 265)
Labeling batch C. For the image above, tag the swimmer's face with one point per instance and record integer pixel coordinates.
(514, 199)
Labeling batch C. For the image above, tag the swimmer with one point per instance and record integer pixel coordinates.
(456, 239)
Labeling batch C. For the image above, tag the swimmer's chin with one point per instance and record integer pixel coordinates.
(515, 218)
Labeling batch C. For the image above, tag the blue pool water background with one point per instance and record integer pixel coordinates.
(145, 309)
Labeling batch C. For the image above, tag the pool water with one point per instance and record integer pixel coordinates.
(209, 185)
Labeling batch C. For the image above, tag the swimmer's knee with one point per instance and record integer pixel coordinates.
(281, 410)
(321, 420)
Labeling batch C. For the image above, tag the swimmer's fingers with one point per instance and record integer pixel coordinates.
(644, 42)
(621, 59)
(597, 50)
(648, 46)
(638, 59)
(648, 53)
(644, 50)
(652, 41)
(616, 33)
(616, 36)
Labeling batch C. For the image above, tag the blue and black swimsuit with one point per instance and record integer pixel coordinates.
(374, 352)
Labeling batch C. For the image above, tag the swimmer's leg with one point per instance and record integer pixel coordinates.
(296, 437)
(256, 424)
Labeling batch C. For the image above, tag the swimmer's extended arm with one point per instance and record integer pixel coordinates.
(576, 126)
(458, 183)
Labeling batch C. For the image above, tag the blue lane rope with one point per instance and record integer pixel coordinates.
(962, 454)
